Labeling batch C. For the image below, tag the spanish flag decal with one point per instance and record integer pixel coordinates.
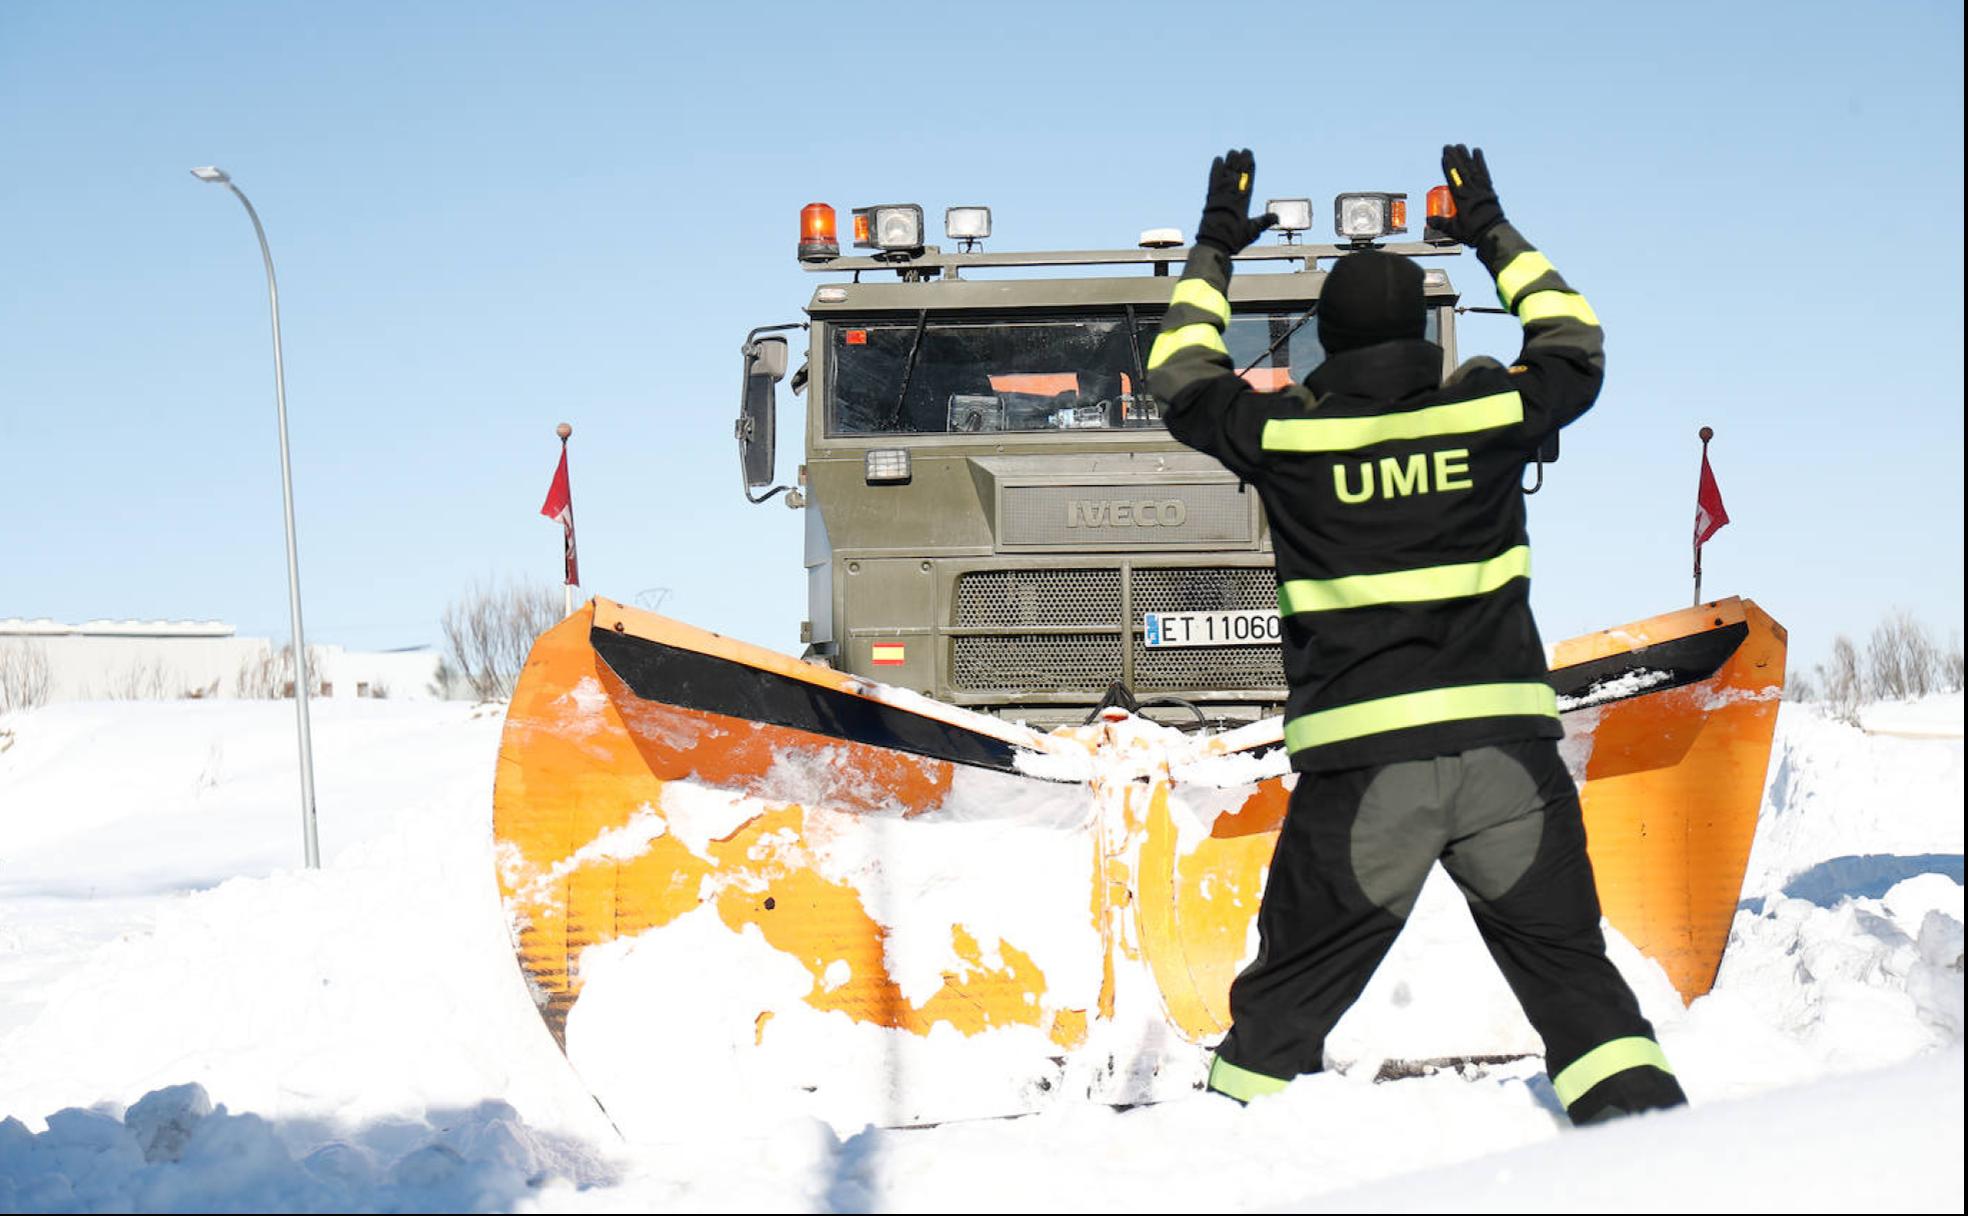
(889, 654)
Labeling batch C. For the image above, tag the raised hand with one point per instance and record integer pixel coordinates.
(1227, 223)
(1476, 207)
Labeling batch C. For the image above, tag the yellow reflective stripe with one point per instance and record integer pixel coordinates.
(1405, 586)
(1545, 305)
(1241, 1083)
(1420, 709)
(1523, 270)
(1346, 434)
(1171, 341)
(1604, 1061)
(1198, 293)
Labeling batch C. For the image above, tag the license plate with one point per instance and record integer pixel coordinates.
(1256, 628)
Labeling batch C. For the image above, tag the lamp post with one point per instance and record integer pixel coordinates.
(311, 845)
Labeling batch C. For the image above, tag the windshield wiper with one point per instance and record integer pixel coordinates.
(908, 372)
(1281, 340)
(1134, 348)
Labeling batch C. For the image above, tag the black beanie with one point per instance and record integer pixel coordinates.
(1368, 298)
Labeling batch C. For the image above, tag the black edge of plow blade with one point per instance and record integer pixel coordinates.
(1684, 660)
(691, 679)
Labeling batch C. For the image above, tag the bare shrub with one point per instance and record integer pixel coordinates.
(1901, 660)
(142, 680)
(1799, 686)
(26, 678)
(491, 629)
(1840, 682)
(1951, 667)
(269, 674)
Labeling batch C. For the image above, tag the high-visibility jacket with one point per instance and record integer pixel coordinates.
(1396, 512)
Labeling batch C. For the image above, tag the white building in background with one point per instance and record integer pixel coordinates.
(166, 660)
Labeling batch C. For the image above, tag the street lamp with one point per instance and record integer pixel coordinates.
(312, 846)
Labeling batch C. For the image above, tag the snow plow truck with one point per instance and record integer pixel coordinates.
(996, 838)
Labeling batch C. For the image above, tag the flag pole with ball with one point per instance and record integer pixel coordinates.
(560, 507)
(1710, 514)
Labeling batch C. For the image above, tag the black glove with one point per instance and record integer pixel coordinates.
(1227, 222)
(1476, 207)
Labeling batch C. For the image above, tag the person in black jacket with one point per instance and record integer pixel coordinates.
(1419, 720)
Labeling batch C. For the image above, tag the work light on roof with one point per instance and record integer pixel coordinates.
(1369, 215)
(967, 224)
(1294, 216)
(891, 227)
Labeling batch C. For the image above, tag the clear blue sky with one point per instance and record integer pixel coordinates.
(489, 218)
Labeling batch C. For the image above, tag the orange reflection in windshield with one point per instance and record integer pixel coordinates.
(1044, 384)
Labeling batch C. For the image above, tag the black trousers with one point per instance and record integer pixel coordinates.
(1354, 850)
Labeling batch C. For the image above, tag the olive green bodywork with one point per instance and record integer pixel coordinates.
(1013, 567)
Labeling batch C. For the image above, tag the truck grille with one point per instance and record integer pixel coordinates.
(1205, 667)
(1089, 600)
(1025, 599)
(1046, 663)
(1204, 589)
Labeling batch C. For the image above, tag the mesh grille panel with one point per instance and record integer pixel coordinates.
(1206, 668)
(1043, 664)
(1015, 599)
(1204, 589)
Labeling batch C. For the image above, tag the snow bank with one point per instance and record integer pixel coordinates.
(373, 1047)
(1836, 793)
(174, 1151)
(377, 993)
(1888, 1141)
(1931, 717)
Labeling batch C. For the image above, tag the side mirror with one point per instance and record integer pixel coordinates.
(765, 366)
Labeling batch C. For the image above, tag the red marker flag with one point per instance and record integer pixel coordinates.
(1710, 514)
(560, 506)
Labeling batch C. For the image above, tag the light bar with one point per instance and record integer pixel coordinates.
(1369, 215)
(1294, 214)
(891, 227)
(1160, 238)
(967, 223)
(888, 466)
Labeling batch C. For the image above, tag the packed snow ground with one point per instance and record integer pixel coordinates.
(188, 1021)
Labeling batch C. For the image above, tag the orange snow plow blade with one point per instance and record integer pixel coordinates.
(1067, 909)
(1668, 731)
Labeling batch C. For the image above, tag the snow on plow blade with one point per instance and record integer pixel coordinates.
(728, 870)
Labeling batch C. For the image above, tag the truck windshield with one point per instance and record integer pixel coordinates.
(1030, 374)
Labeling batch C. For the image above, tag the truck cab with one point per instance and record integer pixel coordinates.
(995, 514)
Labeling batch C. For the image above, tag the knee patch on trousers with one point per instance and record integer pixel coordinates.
(1399, 827)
